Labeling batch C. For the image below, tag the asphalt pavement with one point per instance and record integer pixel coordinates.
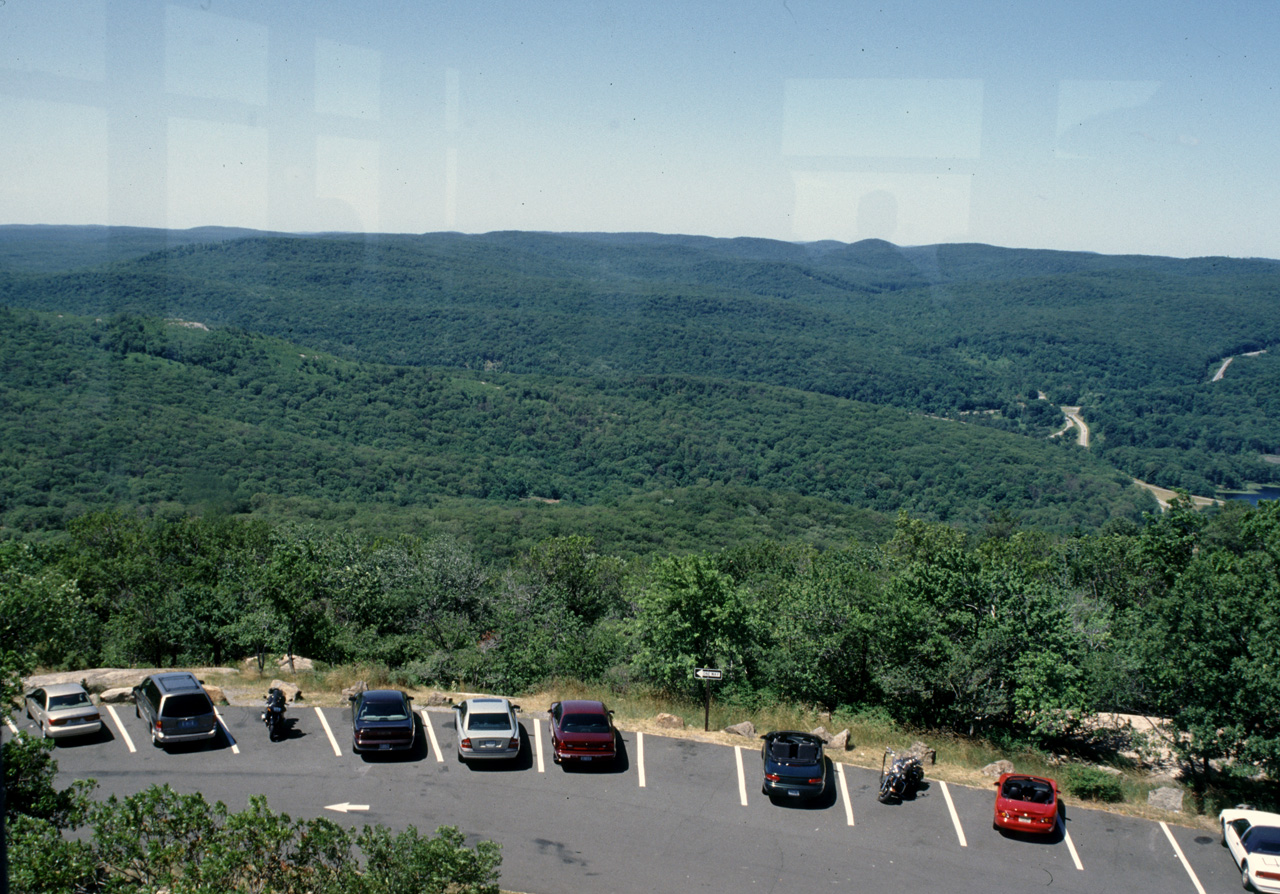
(670, 815)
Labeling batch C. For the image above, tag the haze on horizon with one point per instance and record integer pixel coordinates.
(1117, 128)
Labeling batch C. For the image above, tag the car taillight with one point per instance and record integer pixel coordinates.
(773, 777)
(815, 780)
(466, 743)
(57, 721)
(514, 743)
(1267, 875)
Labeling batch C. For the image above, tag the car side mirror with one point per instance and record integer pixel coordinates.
(516, 708)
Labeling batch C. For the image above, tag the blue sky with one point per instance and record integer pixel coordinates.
(1113, 127)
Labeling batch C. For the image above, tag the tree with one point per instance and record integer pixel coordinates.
(691, 615)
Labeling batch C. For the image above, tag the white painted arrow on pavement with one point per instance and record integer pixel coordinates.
(344, 807)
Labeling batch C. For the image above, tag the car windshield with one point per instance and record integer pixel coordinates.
(585, 723)
(1263, 840)
(74, 700)
(1032, 791)
(188, 704)
(489, 722)
(383, 711)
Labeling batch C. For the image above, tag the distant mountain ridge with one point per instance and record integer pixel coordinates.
(963, 331)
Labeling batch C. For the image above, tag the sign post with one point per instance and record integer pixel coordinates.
(706, 675)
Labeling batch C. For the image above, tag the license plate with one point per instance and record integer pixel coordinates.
(793, 792)
(586, 757)
(489, 743)
(384, 746)
(1024, 819)
(186, 724)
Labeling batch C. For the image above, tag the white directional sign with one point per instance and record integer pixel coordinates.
(708, 673)
(345, 807)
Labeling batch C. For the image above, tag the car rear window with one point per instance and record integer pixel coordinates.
(74, 700)
(584, 723)
(489, 721)
(377, 712)
(188, 704)
(1264, 840)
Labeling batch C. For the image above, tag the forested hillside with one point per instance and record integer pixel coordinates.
(130, 411)
(946, 330)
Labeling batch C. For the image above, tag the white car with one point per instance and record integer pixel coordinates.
(63, 709)
(487, 729)
(1253, 837)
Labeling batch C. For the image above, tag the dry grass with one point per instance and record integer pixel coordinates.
(959, 759)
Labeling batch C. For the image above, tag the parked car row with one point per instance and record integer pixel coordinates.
(177, 709)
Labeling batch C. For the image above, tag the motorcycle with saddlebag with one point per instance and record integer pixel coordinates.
(900, 774)
(273, 714)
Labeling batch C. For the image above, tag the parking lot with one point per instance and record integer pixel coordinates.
(669, 809)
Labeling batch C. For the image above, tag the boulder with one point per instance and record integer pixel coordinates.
(996, 769)
(215, 693)
(295, 664)
(1166, 798)
(745, 728)
(840, 740)
(291, 691)
(355, 689)
(438, 699)
(821, 733)
(923, 752)
(116, 696)
(669, 721)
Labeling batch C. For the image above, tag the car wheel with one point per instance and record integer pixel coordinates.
(44, 731)
(137, 712)
(461, 759)
(1244, 876)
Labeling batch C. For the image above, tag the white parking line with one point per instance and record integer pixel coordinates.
(124, 733)
(328, 732)
(1066, 836)
(431, 734)
(640, 756)
(1185, 865)
(742, 779)
(537, 740)
(844, 793)
(235, 749)
(955, 817)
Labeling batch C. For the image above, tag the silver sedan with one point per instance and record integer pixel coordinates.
(63, 709)
(487, 728)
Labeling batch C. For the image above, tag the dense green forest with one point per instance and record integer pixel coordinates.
(1010, 633)
(130, 411)
(964, 331)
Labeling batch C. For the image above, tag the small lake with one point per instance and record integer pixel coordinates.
(1264, 493)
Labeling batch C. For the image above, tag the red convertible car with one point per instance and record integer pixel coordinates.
(1026, 803)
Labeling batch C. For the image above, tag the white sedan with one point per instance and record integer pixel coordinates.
(63, 709)
(487, 728)
(1253, 837)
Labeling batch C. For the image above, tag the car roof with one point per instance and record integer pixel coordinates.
(382, 695)
(1255, 817)
(62, 688)
(176, 681)
(583, 706)
(487, 701)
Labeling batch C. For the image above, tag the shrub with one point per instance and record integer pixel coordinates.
(1092, 784)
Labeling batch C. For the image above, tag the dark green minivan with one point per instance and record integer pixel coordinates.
(176, 708)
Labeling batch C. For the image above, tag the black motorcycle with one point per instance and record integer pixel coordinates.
(273, 714)
(900, 774)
